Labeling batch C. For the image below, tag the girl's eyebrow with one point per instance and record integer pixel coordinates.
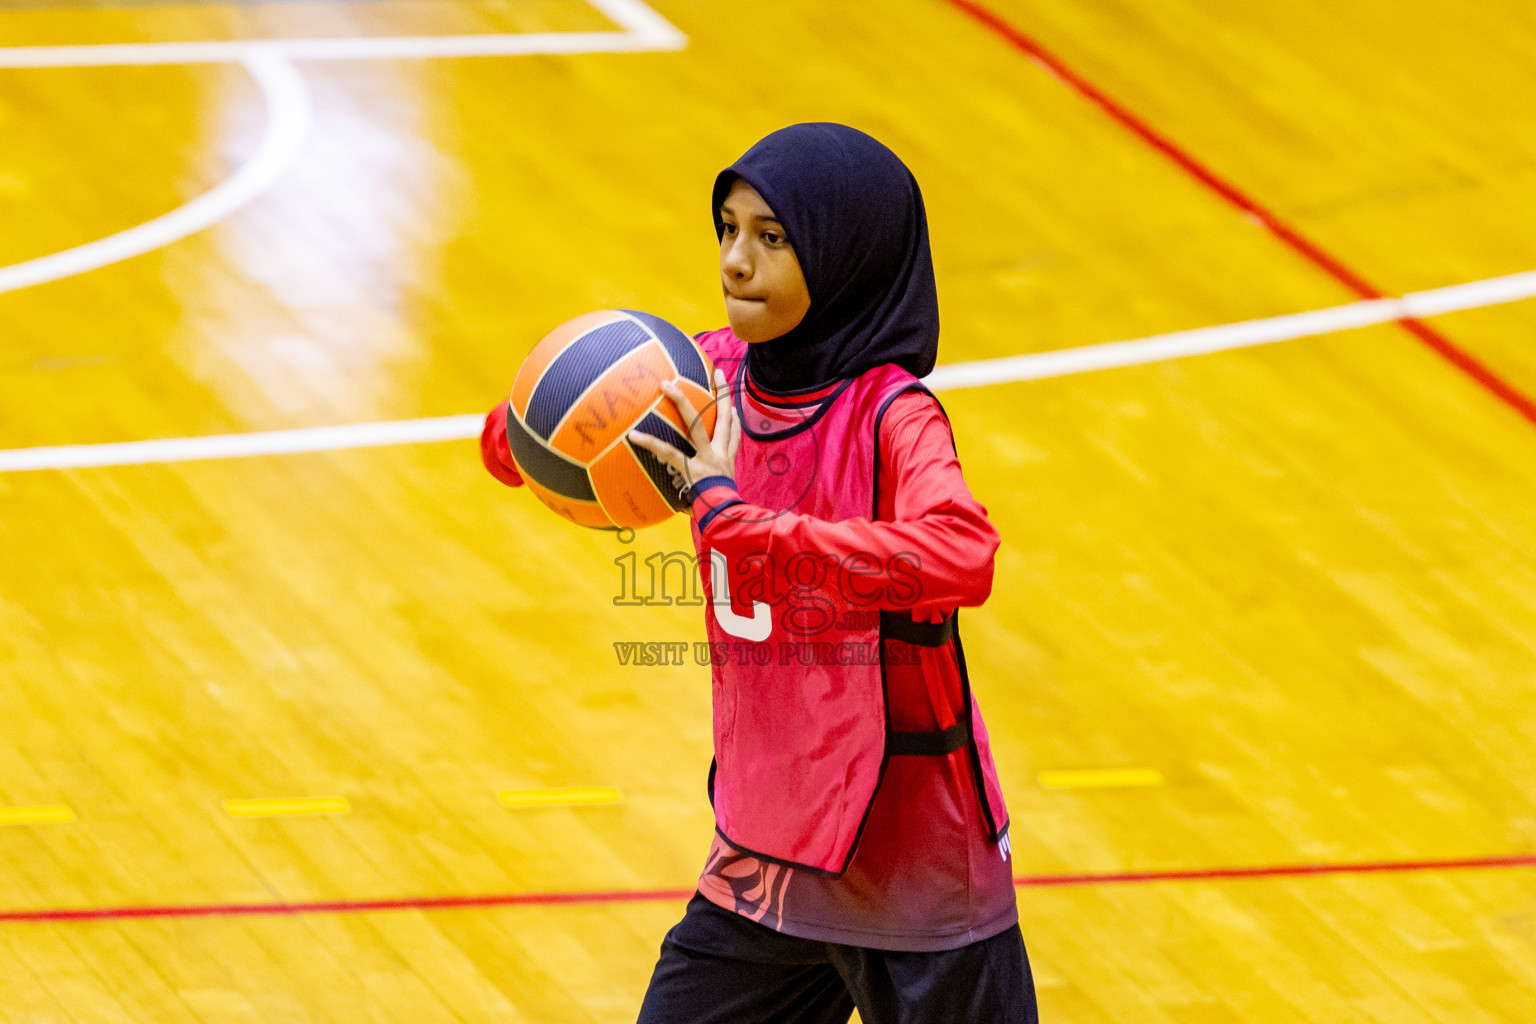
(726, 209)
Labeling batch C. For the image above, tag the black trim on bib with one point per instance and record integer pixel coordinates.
(793, 429)
(895, 626)
(780, 861)
(939, 743)
(995, 829)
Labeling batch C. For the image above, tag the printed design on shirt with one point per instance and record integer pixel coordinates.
(757, 887)
(755, 627)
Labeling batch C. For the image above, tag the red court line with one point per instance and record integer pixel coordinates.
(524, 899)
(1280, 871)
(1436, 341)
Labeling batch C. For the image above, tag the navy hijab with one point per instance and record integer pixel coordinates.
(854, 215)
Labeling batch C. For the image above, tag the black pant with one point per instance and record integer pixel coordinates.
(717, 967)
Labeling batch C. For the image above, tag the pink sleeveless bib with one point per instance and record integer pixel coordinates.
(800, 724)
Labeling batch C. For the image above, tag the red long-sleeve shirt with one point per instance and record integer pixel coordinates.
(924, 877)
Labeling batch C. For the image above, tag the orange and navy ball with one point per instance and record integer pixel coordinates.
(577, 396)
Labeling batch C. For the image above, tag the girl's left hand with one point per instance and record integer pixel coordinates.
(713, 456)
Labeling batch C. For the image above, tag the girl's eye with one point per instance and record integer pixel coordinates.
(772, 237)
(728, 228)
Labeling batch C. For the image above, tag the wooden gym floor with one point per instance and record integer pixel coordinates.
(1289, 589)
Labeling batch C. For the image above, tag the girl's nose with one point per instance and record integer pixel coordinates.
(735, 262)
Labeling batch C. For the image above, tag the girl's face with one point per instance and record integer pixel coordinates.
(765, 293)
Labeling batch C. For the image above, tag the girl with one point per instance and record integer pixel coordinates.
(862, 854)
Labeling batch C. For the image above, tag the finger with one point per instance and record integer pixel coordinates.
(717, 380)
(727, 400)
(669, 456)
(723, 416)
(685, 408)
(735, 435)
(733, 444)
(725, 393)
(695, 423)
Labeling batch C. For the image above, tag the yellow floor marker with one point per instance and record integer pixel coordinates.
(570, 796)
(36, 815)
(1111, 778)
(286, 808)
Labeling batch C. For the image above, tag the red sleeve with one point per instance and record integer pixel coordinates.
(927, 515)
(494, 450)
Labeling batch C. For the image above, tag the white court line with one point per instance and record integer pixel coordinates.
(1034, 366)
(642, 30)
(289, 110)
(230, 446)
(1037, 365)
(288, 123)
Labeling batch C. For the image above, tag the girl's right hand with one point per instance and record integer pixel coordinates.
(713, 456)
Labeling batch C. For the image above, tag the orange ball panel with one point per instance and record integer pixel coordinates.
(703, 403)
(550, 346)
(608, 409)
(582, 513)
(626, 490)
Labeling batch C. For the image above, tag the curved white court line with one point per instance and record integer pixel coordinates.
(643, 30)
(288, 122)
(1034, 366)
